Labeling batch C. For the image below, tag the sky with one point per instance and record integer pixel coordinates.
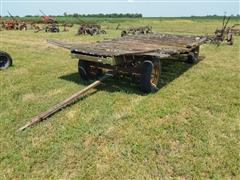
(149, 8)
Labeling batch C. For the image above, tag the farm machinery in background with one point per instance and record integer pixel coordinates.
(13, 24)
(5, 60)
(92, 29)
(51, 25)
(89, 28)
(224, 34)
(136, 30)
(66, 26)
(235, 29)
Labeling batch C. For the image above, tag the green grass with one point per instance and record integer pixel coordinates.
(188, 129)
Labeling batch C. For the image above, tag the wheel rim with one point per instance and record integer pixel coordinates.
(155, 75)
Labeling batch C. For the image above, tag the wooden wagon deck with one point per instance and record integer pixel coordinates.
(139, 55)
(158, 44)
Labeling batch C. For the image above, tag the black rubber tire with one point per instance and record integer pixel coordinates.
(146, 85)
(87, 72)
(103, 32)
(5, 60)
(83, 69)
(98, 73)
(192, 58)
(123, 33)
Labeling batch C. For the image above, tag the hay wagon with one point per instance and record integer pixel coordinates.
(139, 55)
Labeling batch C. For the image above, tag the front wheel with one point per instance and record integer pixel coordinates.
(5, 60)
(150, 76)
(83, 69)
(88, 70)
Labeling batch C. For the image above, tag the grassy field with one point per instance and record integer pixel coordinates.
(189, 129)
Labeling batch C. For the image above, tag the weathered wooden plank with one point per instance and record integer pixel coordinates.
(63, 104)
(138, 44)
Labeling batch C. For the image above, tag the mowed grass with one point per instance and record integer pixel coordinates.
(189, 129)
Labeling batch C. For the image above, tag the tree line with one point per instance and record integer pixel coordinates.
(112, 15)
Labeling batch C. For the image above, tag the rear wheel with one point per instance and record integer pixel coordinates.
(5, 60)
(150, 76)
(193, 56)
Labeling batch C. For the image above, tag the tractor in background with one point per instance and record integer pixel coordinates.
(14, 24)
(51, 24)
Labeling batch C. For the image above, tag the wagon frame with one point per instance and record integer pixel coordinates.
(139, 55)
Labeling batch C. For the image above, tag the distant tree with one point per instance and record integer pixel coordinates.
(112, 15)
(75, 15)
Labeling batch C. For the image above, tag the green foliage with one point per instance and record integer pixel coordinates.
(189, 129)
(77, 18)
(113, 15)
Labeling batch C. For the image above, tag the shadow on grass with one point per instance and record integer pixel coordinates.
(171, 70)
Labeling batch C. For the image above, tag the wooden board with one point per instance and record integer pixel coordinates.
(138, 44)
